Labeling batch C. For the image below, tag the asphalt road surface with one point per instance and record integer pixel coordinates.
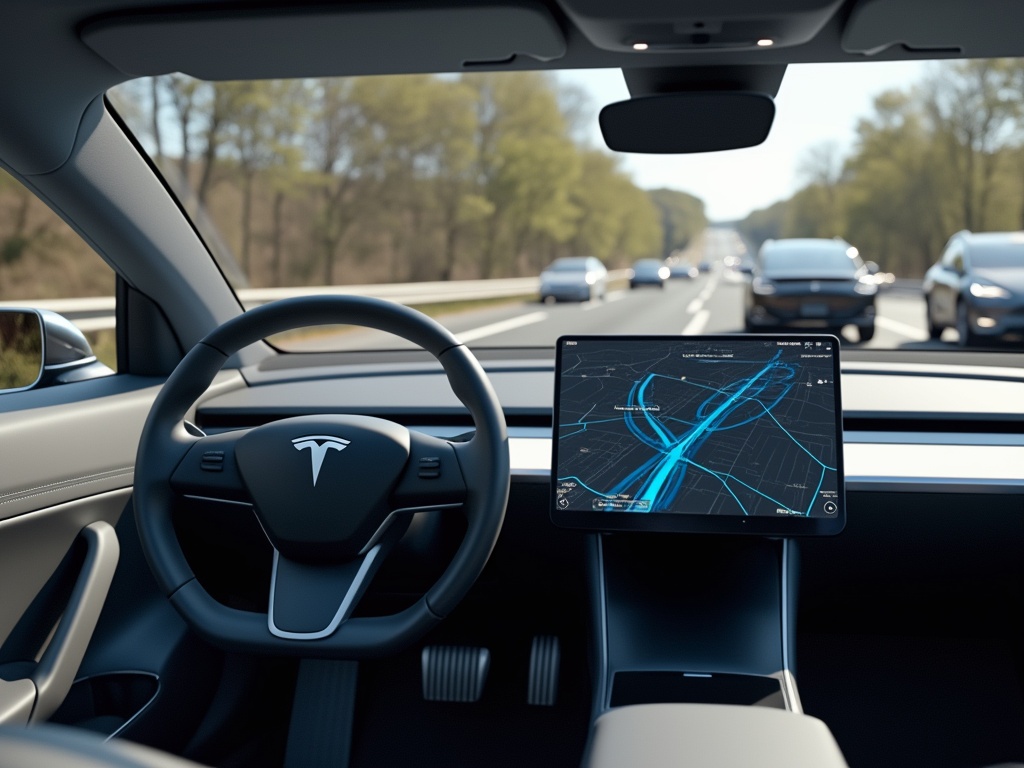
(711, 303)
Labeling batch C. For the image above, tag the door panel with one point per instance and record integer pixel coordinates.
(45, 632)
(71, 441)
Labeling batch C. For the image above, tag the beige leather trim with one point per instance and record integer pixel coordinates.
(32, 546)
(712, 735)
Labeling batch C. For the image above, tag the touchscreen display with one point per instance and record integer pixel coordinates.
(733, 434)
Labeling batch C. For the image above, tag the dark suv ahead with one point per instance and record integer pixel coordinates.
(811, 283)
(977, 287)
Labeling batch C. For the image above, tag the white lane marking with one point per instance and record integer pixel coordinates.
(695, 306)
(505, 325)
(895, 326)
(710, 287)
(696, 325)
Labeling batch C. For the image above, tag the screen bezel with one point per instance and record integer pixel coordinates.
(696, 523)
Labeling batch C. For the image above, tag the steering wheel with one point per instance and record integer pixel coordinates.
(333, 493)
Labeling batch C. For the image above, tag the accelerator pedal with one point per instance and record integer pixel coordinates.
(454, 672)
(545, 659)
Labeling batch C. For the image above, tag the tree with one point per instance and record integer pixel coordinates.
(333, 145)
(682, 218)
(184, 93)
(765, 223)
(288, 113)
(972, 106)
(822, 168)
(256, 123)
(525, 166)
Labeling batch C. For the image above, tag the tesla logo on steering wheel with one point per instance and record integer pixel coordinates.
(318, 446)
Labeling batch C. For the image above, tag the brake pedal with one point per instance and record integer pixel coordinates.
(545, 659)
(454, 672)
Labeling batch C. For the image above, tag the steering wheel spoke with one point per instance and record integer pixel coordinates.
(309, 601)
(432, 478)
(210, 471)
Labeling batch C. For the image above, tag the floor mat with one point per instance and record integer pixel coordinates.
(395, 726)
(910, 701)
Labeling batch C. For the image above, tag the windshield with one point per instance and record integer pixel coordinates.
(568, 265)
(453, 193)
(998, 256)
(811, 259)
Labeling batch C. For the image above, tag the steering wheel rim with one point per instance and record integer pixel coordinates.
(164, 443)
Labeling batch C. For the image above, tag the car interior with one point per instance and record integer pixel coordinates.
(218, 551)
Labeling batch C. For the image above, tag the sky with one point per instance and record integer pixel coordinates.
(816, 104)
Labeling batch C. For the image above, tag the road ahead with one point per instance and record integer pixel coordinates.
(712, 303)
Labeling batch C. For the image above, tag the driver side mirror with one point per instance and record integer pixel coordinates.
(39, 348)
(21, 349)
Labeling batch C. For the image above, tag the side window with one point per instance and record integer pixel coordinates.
(44, 264)
(953, 258)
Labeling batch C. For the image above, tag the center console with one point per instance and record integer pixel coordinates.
(659, 439)
(693, 619)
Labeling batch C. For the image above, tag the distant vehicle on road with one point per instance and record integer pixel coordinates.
(574, 278)
(649, 272)
(977, 287)
(811, 283)
(682, 269)
(704, 266)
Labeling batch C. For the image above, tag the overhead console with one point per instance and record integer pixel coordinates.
(666, 25)
(698, 434)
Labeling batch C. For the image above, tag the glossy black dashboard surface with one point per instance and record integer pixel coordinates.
(912, 424)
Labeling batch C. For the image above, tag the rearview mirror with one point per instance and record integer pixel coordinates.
(679, 123)
(21, 349)
(39, 348)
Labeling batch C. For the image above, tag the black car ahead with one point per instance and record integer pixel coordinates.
(977, 287)
(811, 283)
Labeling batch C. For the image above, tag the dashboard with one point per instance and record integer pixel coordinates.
(920, 584)
(908, 426)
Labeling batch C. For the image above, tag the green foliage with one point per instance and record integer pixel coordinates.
(764, 224)
(682, 218)
(21, 349)
(40, 256)
(416, 177)
(13, 247)
(943, 155)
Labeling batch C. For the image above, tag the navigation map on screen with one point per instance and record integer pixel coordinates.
(722, 426)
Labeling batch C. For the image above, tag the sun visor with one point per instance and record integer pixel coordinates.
(683, 123)
(978, 29)
(297, 41)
